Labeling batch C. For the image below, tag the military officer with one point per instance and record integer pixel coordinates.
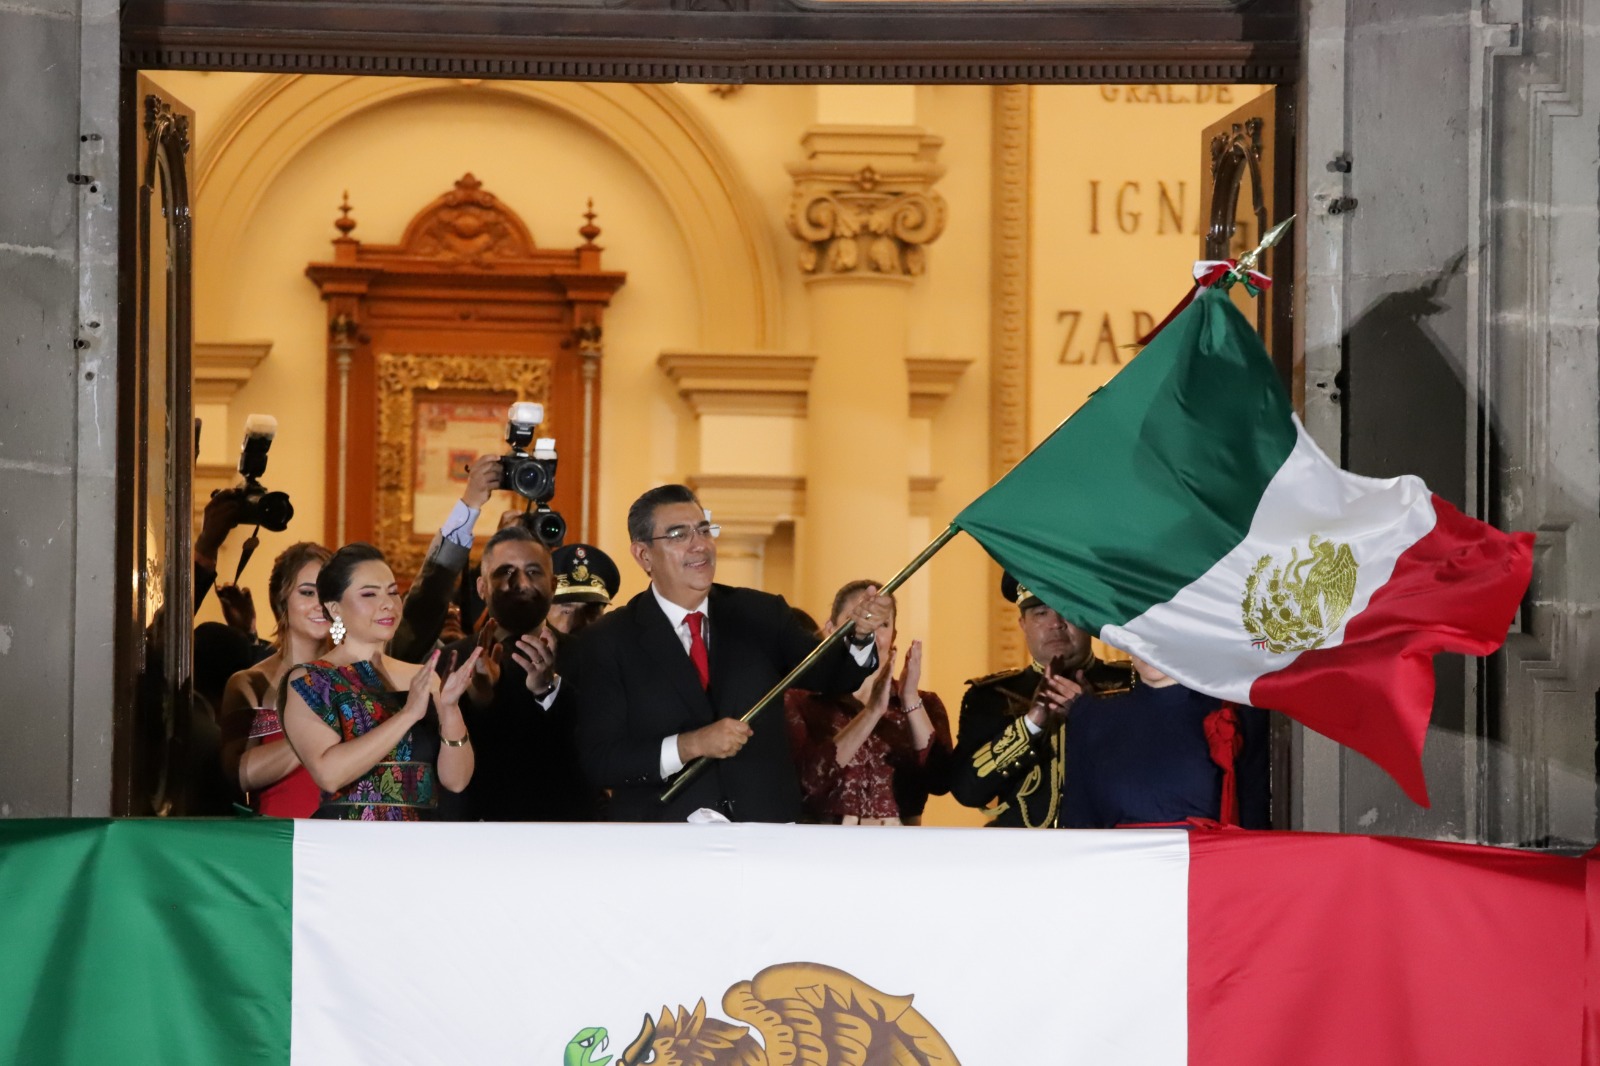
(1010, 755)
(586, 582)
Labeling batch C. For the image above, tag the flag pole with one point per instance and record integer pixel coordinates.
(693, 770)
(1246, 263)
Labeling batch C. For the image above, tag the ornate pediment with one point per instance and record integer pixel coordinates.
(468, 226)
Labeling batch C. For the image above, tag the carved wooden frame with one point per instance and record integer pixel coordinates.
(403, 378)
(155, 645)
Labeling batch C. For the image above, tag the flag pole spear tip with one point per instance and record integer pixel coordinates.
(1248, 261)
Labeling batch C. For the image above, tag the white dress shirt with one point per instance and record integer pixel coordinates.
(457, 528)
(670, 762)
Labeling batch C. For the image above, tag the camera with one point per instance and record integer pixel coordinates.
(259, 506)
(532, 476)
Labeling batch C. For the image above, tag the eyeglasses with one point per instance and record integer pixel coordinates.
(687, 534)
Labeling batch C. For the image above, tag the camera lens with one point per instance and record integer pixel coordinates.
(273, 511)
(550, 528)
(532, 481)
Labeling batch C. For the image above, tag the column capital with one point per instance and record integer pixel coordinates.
(864, 202)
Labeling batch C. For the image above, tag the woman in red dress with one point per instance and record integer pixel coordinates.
(253, 751)
(872, 758)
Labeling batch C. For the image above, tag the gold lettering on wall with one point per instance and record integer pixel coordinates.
(1106, 346)
(1167, 94)
(1129, 205)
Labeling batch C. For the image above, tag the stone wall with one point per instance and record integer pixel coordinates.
(58, 93)
(1450, 332)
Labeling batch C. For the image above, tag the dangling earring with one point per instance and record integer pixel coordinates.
(336, 631)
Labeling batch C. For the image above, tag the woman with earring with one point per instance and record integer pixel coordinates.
(253, 752)
(378, 736)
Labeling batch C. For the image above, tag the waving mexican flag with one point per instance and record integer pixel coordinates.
(1184, 515)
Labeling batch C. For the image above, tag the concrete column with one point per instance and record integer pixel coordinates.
(864, 210)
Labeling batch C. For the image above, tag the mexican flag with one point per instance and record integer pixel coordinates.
(1184, 515)
(275, 942)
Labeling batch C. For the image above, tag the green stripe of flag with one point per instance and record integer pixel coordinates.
(145, 941)
(1152, 481)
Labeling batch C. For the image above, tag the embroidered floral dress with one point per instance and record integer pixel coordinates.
(353, 701)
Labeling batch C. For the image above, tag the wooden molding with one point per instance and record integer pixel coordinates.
(731, 383)
(933, 379)
(222, 368)
(727, 42)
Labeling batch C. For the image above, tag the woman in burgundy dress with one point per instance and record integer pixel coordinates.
(872, 758)
(253, 752)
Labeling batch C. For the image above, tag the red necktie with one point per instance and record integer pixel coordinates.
(697, 647)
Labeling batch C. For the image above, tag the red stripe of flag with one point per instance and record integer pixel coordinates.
(1309, 949)
(1457, 589)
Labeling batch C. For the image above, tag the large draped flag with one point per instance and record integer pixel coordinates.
(1184, 515)
(269, 943)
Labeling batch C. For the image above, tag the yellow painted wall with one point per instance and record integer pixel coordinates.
(396, 156)
(1118, 172)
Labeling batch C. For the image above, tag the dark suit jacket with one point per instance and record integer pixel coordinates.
(526, 760)
(422, 614)
(637, 687)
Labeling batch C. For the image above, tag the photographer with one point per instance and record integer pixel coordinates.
(427, 601)
(221, 515)
(518, 708)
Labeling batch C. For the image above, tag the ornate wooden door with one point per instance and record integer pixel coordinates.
(155, 620)
(430, 339)
(1249, 157)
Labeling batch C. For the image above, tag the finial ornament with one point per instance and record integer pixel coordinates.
(589, 231)
(344, 223)
(1248, 261)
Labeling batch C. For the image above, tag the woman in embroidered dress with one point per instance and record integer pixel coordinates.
(871, 758)
(371, 745)
(253, 752)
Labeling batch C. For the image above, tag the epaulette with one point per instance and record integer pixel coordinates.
(998, 675)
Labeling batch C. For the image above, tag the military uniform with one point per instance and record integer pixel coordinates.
(999, 764)
(583, 574)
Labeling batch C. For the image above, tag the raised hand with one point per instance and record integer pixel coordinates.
(911, 675)
(536, 653)
(1054, 698)
(456, 684)
(483, 477)
(873, 613)
(238, 607)
(424, 685)
(486, 669)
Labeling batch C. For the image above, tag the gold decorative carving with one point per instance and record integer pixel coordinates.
(1008, 427)
(864, 201)
(401, 378)
(467, 226)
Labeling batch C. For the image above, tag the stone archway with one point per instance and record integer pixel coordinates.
(735, 266)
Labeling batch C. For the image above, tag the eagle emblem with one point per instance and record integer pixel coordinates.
(1297, 605)
(792, 1014)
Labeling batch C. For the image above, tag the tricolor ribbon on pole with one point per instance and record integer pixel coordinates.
(1207, 274)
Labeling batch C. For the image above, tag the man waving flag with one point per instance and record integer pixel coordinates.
(1224, 547)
